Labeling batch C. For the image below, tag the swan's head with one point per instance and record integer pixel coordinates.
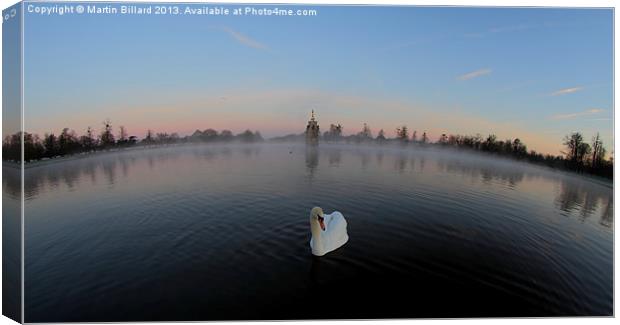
(316, 215)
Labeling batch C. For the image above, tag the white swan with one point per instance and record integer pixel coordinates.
(329, 231)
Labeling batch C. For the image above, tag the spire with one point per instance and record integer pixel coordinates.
(312, 130)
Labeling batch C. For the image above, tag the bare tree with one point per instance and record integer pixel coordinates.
(365, 133)
(577, 150)
(122, 134)
(424, 138)
(381, 136)
(107, 137)
(598, 151)
(402, 133)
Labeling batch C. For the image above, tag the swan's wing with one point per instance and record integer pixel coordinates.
(338, 218)
(335, 223)
(328, 219)
(336, 233)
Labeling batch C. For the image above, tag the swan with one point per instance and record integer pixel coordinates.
(329, 231)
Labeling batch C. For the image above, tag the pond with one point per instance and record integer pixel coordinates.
(219, 232)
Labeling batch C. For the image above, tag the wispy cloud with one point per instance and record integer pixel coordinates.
(592, 111)
(500, 29)
(566, 91)
(474, 74)
(245, 40)
(409, 43)
(512, 28)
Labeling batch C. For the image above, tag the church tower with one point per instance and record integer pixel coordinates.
(312, 131)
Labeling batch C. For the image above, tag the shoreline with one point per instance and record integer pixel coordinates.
(50, 161)
(60, 159)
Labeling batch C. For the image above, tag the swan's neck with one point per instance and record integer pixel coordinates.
(315, 228)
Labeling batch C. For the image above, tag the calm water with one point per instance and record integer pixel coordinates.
(216, 232)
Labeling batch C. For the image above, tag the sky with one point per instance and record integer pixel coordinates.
(534, 74)
(11, 83)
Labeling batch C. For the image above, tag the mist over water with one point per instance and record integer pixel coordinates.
(222, 232)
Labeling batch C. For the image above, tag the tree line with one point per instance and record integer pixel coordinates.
(579, 155)
(69, 143)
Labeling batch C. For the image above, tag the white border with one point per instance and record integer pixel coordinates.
(481, 3)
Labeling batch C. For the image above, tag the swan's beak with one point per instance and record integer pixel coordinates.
(322, 223)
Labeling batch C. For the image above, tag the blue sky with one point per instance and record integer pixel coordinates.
(537, 74)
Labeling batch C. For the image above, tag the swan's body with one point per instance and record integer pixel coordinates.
(329, 231)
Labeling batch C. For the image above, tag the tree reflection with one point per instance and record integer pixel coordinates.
(250, 151)
(364, 158)
(11, 182)
(607, 215)
(334, 156)
(312, 160)
(109, 171)
(379, 156)
(590, 203)
(485, 172)
(71, 172)
(400, 163)
(575, 197)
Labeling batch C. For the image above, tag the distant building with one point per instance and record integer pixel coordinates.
(312, 131)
